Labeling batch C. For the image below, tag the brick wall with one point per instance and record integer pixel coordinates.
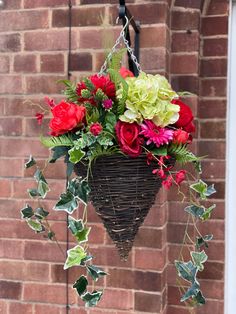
(184, 39)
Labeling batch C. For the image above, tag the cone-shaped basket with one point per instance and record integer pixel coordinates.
(123, 190)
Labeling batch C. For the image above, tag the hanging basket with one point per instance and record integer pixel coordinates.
(123, 190)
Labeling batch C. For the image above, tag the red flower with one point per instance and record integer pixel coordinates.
(167, 183)
(39, 116)
(180, 176)
(125, 72)
(185, 117)
(95, 128)
(180, 136)
(102, 82)
(128, 138)
(66, 116)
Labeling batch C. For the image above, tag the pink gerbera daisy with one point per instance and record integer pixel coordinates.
(155, 134)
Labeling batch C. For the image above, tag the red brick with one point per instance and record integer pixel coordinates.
(11, 84)
(96, 37)
(102, 1)
(5, 188)
(215, 47)
(176, 212)
(189, 3)
(157, 216)
(80, 17)
(212, 306)
(43, 84)
(23, 20)
(11, 249)
(176, 232)
(10, 126)
(218, 7)
(150, 259)
(214, 67)
(52, 63)
(22, 148)
(185, 42)
(213, 169)
(184, 64)
(20, 308)
(10, 43)
(216, 227)
(10, 290)
(7, 165)
(212, 108)
(212, 129)
(4, 64)
(147, 302)
(55, 170)
(3, 306)
(48, 41)
(153, 37)
(187, 19)
(81, 61)
(212, 270)
(50, 309)
(152, 238)
(213, 289)
(153, 59)
(213, 87)
(216, 25)
(12, 4)
(177, 310)
(117, 299)
(189, 83)
(25, 63)
(16, 106)
(46, 3)
(213, 149)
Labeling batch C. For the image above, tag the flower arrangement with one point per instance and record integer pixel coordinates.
(115, 113)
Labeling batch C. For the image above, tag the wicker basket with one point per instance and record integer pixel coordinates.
(123, 190)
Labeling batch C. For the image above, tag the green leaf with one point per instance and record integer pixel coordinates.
(161, 151)
(201, 188)
(80, 189)
(104, 139)
(35, 225)
(75, 155)
(67, 202)
(99, 97)
(86, 140)
(198, 259)
(200, 241)
(110, 121)
(196, 211)
(182, 154)
(210, 190)
(187, 271)
(92, 299)
(207, 214)
(82, 236)
(43, 187)
(69, 169)
(92, 116)
(116, 59)
(70, 91)
(40, 213)
(95, 272)
(191, 292)
(75, 256)
(33, 193)
(58, 152)
(31, 162)
(86, 259)
(199, 299)
(55, 141)
(85, 93)
(75, 225)
(89, 84)
(81, 285)
(51, 235)
(27, 212)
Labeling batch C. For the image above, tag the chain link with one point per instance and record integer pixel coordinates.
(114, 48)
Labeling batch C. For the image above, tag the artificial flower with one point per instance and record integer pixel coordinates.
(155, 134)
(102, 82)
(107, 104)
(66, 116)
(49, 102)
(95, 128)
(125, 72)
(39, 116)
(128, 138)
(180, 176)
(180, 137)
(185, 120)
(167, 183)
(149, 97)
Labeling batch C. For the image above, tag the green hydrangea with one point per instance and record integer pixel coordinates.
(149, 97)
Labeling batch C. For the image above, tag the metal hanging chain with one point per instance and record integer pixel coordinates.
(114, 48)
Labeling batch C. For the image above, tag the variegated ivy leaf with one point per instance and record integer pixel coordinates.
(33, 193)
(78, 229)
(35, 225)
(27, 212)
(75, 155)
(92, 299)
(31, 162)
(40, 213)
(81, 285)
(203, 241)
(82, 236)
(80, 189)
(68, 202)
(196, 211)
(207, 214)
(202, 189)
(187, 271)
(95, 272)
(75, 256)
(43, 187)
(199, 299)
(199, 258)
(191, 292)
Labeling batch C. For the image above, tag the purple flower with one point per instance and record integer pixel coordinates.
(107, 104)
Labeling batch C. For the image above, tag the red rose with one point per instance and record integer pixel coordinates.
(95, 128)
(180, 136)
(128, 138)
(66, 116)
(125, 72)
(185, 117)
(102, 82)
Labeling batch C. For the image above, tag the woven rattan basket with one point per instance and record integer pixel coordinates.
(123, 190)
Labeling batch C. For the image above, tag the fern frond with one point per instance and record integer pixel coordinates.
(70, 91)
(182, 154)
(115, 62)
(55, 141)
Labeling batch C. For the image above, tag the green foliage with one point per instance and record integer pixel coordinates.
(104, 139)
(31, 162)
(81, 285)
(78, 229)
(116, 59)
(75, 256)
(58, 152)
(95, 272)
(41, 213)
(27, 212)
(55, 141)
(70, 91)
(110, 122)
(36, 225)
(202, 189)
(160, 151)
(202, 241)
(67, 202)
(88, 84)
(187, 271)
(42, 188)
(199, 258)
(85, 93)
(75, 155)
(92, 116)
(92, 299)
(182, 154)
(200, 211)
(99, 97)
